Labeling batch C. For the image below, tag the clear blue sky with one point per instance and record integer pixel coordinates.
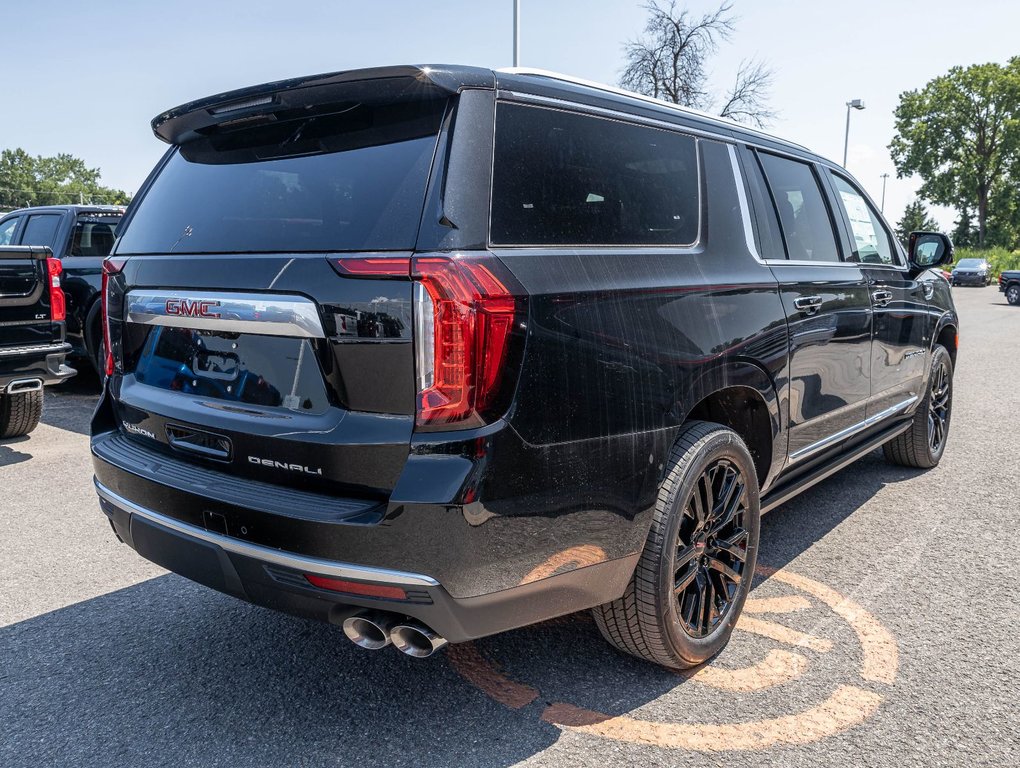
(87, 78)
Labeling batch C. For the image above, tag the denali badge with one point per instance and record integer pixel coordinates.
(191, 307)
(136, 430)
(282, 465)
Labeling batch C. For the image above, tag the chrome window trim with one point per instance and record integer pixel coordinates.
(850, 431)
(572, 108)
(292, 316)
(267, 554)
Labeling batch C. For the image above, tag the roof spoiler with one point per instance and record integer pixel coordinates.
(377, 84)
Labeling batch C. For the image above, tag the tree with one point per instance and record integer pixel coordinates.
(668, 61)
(964, 234)
(960, 134)
(27, 180)
(915, 219)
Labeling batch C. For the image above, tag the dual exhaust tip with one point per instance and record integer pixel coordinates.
(377, 630)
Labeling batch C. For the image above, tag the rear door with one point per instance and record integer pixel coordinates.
(898, 301)
(827, 305)
(262, 319)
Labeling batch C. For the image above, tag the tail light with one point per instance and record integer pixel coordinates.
(469, 333)
(465, 321)
(58, 302)
(111, 266)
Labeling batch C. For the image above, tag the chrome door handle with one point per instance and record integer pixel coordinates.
(809, 304)
(881, 298)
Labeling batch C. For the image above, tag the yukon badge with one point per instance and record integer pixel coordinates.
(191, 307)
(283, 465)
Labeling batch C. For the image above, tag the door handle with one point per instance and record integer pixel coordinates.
(881, 298)
(808, 304)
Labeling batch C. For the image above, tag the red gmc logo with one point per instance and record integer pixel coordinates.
(191, 308)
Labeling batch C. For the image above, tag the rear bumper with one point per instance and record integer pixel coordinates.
(277, 578)
(42, 362)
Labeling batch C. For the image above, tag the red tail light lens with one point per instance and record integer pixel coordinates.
(111, 266)
(58, 302)
(356, 587)
(464, 321)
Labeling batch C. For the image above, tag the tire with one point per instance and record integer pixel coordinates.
(95, 342)
(20, 413)
(1013, 294)
(653, 620)
(923, 444)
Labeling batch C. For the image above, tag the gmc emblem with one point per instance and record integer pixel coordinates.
(191, 308)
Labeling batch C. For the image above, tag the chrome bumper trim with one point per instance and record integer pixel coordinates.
(267, 554)
(42, 349)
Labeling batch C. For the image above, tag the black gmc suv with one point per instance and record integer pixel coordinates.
(436, 352)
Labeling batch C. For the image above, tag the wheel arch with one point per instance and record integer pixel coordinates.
(742, 396)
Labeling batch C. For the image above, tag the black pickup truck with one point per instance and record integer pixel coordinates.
(1009, 284)
(32, 344)
(80, 236)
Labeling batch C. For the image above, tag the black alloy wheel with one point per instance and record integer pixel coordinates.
(711, 548)
(938, 406)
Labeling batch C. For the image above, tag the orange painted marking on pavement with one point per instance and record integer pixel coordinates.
(776, 668)
(786, 604)
(783, 634)
(483, 674)
(881, 654)
(845, 708)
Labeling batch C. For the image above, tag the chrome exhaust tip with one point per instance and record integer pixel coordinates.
(416, 640)
(369, 630)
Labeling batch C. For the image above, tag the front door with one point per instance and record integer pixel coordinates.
(898, 351)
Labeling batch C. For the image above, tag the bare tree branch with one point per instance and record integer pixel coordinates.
(668, 61)
(747, 100)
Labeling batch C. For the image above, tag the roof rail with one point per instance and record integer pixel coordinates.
(651, 100)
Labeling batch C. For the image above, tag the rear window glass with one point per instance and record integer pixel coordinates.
(352, 180)
(93, 235)
(560, 178)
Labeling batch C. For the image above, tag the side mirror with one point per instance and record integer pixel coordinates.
(929, 249)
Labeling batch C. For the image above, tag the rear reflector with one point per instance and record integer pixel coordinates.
(58, 302)
(355, 587)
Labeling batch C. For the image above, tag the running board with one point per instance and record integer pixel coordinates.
(784, 492)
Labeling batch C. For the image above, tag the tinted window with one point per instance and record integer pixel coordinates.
(40, 230)
(348, 181)
(803, 214)
(7, 231)
(565, 179)
(93, 235)
(970, 263)
(872, 243)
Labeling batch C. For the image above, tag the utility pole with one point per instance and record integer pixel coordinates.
(884, 177)
(517, 33)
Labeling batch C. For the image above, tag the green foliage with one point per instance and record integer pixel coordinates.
(999, 259)
(915, 219)
(961, 135)
(26, 180)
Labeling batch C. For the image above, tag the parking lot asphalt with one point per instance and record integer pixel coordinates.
(884, 631)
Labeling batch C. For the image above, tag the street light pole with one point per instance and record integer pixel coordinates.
(517, 33)
(855, 104)
(884, 177)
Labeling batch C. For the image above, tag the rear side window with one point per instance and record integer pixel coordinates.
(803, 213)
(561, 178)
(350, 181)
(40, 230)
(872, 243)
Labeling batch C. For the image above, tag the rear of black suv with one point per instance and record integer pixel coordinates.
(311, 355)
